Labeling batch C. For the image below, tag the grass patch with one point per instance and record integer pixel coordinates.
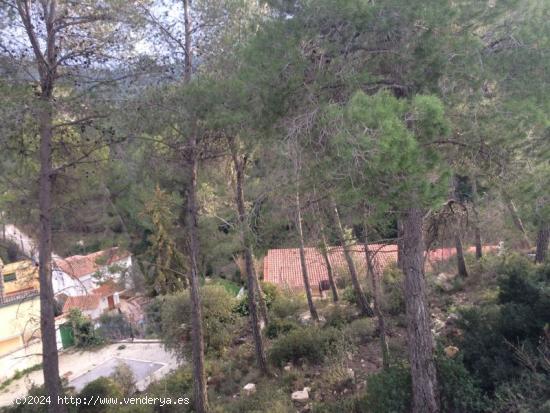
(19, 374)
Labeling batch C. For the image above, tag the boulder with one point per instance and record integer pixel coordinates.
(249, 389)
(445, 281)
(301, 395)
(451, 351)
(287, 367)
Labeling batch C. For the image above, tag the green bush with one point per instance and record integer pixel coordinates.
(338, 316)
(84, 333)
(388, 391)
(287, 305)
(393, 297)
(217, 317)
(102, 387)
(270, 294)
(310, 344)
(153, 317)
(277, 327)
(361, 331)
(349, 295)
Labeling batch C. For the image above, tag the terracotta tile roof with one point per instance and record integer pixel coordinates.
(444, 254)
(82, 302)
(107, 289)
(80, 265)
(282, 266)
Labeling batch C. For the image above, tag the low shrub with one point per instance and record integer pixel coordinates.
(124, 377)
(361, 331)
(277, 327)
(102, 387)
(338, 316)
(287, 305)
(393, 297)
(310, 344)
(84, 333)
(388, 391)
(217, 314)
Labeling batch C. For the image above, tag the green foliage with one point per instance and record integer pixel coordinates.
(310, 344)
(519, 319)
(338, 316)
(217, 318)
(393, 297)
(84, 332)
(269, 292)
(287, 305)
(389, 391)
(153, 317)
(124, 377)
(114, 327)
(361, 331)
(101, 387)
(277, 327)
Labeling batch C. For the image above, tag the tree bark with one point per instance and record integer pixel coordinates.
(188, 58)
(2, 287)
(305, 275)
(477, 230)
(376, 301)
(362, 299)
(197, 339)
(420, 340)
(330, 273)
(460, 262)
(46, 64)
(251, 277)
(400, 244)
(543, 238)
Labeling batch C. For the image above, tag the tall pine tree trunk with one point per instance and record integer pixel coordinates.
(197, 337)
(330, 272)
(376, 301)
(305, 275)
(400, 244)
(46, 64)
(543, 238)
(2, 286)
(251, 277)
(460, 262)
(419, 336)
(362, 299)
(477, 230)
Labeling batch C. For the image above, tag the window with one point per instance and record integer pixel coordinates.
(10, 277)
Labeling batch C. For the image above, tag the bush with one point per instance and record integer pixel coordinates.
(287, 305)
(338, 316)
(84, 332)
(115, 327)
(217, 318)
(277, 327)
(153, 317)
(393, 297)
(361, 331)
(388, 391)
(310, 344)
(102, 387)
(178, 383)
(270, 293)
(124, 377)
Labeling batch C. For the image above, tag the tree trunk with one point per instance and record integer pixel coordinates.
(2, 287)
(400, 244)
(330, 273)
(543, 238)
(376, 301)
(477, 230)
(199, 380)
(362, 300)
(460, 262)
(526, 243)
(305, 275)
(188, 58)
(420, 341)
(251, 277)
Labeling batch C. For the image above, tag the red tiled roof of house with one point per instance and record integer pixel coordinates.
(282, 266)
(80, 265)
(107, 289)
(82, 302)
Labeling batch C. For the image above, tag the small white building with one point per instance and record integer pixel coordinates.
(100, 300)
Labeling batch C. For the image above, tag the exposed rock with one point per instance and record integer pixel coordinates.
(438, 324)
(288, 367)
(445, 281)
(451, 351)
(249, 389)
(452, 319)
(301, 395)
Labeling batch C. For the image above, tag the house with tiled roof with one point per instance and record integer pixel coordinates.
(99, 300)
(282, 267)
(80, 274)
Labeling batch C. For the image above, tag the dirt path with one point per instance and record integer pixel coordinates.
(75, 363)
